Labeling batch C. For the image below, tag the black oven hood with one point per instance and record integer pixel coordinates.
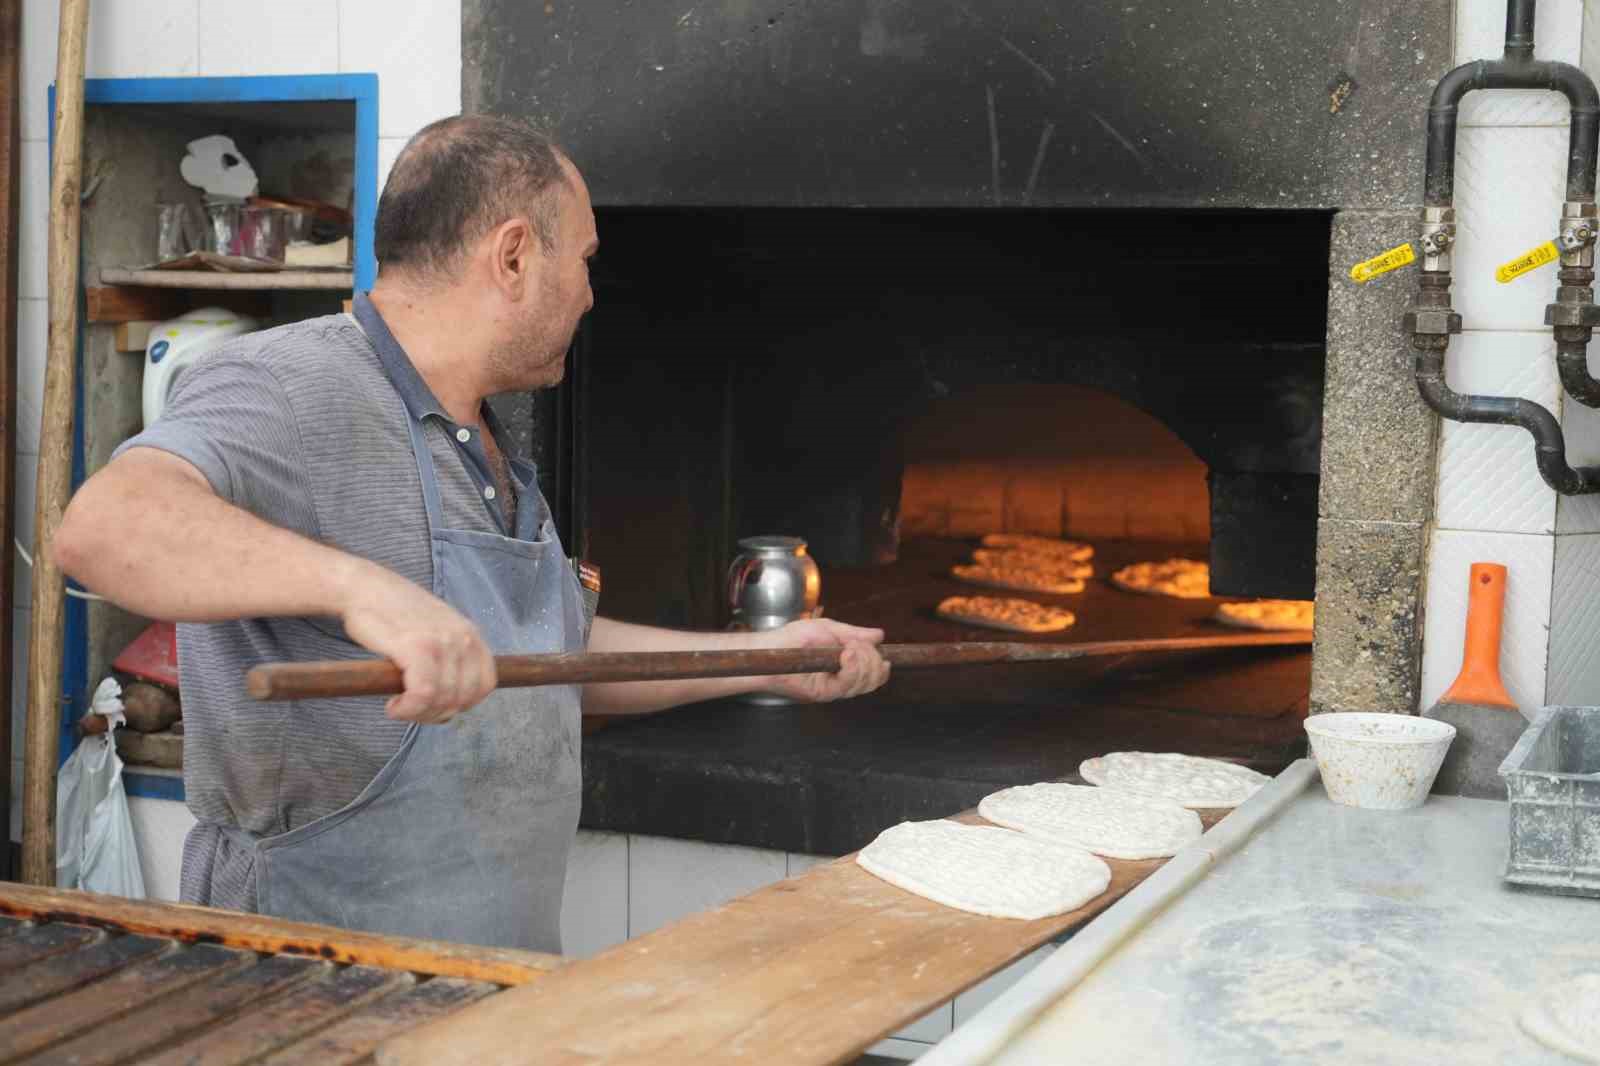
(944, 103)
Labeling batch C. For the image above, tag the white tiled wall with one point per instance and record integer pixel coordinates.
(668, 879)
(159, 828)
(1574, 672)
(1491, 505)
(594, 914)
(414, 48)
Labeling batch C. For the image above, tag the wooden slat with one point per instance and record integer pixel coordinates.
(254, 932)
(39, 942)
(42, 728)
(10, 241)
(354, 1039)
(813, 969)
(217, 280)
(95, 1006)
(211, 1003)
(125, 304)
(304, 1010)
(133, 336)
(64, 972)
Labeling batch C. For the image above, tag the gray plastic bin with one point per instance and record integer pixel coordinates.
(1553, 782)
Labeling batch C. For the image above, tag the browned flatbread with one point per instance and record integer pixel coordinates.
(1074, 550)
(1011, 615)
(1022, 558)
(1267, 614)
(1023, 579)
(1184, 578)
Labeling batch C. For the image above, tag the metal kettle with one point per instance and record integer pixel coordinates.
(773, 582)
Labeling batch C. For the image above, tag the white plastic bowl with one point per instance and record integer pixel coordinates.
(1381, 762)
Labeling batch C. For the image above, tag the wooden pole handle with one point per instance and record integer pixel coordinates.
(379, 677)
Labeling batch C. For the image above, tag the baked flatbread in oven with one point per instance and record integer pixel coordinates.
(1183, 578)
(1267, 614)
(1073, 550)
(1021, 578)
(1023, 558)
(1011, 615)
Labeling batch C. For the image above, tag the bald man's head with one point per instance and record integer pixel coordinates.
(456, 180)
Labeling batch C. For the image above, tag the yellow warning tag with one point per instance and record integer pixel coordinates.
(1533, 260)
(1393, 259)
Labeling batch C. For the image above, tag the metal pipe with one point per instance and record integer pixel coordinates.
(1549, 444)
(1583, 138)
(1519, 29)
(1431, 320)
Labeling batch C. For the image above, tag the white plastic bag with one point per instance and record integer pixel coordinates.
(95, 849)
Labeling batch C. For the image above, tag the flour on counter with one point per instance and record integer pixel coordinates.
(1566, 1018)
(1120, 825)
(985, 870)
(1185, 779)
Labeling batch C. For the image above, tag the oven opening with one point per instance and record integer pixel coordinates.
(892, 385)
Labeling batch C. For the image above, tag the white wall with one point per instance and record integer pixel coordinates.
(414, 48)
(1492, 505)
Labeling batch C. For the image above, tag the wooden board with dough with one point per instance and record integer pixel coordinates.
(810, 970)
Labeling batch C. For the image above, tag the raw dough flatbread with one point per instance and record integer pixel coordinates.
(1072, 550)
(1119, 825)
(1183, 578)
(1566, 1018)
(1019, 578)
(1197, 783)
(1011, 615)
(1267, 614)
(1022, 558)
(984, 869)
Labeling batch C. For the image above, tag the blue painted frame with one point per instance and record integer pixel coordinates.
(362, 89)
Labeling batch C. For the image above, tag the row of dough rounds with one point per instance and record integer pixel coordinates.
(1025, 563)
(1043, 855)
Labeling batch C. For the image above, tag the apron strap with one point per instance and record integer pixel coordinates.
(425, 471)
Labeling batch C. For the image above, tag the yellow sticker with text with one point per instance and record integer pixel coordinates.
(1532, 260)
(1393, 259)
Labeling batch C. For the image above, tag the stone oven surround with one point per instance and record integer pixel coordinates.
(1253, 105)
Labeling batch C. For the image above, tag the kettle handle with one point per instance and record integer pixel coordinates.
(744, 571)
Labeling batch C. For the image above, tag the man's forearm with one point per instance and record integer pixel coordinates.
(641, 697)
(192, 556)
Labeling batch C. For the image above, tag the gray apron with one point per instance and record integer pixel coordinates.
(464, 834)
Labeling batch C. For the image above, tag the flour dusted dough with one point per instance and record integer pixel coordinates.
(1119, 825)
(1022, 558)
(1267, 614)
(985, 870)
(1020, 578)
(1011, 615)
(1183, 578)
(1186, 779)
(1566, 1018)
(1073, 550)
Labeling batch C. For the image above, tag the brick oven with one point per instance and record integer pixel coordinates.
(887, 275)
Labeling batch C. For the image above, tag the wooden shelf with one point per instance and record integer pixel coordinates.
(342, 280)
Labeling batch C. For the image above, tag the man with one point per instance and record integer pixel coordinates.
(305, 490)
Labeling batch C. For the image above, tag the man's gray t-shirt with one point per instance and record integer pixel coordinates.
(304, 427)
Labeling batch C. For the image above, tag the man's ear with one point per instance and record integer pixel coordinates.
(513, 248)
